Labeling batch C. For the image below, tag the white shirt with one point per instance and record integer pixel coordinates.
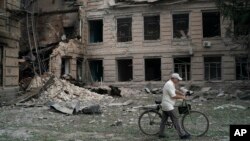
(168, 101)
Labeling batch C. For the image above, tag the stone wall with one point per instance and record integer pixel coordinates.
(9, 42)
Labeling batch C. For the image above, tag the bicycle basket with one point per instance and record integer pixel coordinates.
(184, 108)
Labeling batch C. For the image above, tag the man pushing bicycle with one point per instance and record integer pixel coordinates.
(170, 94)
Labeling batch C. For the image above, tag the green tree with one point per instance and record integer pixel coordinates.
(238, 12)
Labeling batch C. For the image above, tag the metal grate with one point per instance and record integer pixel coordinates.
(151, 27)
(124, 33)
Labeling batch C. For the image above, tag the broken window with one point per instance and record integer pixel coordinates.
(242, 68)
(69, 32)
(151, 27)
(1, 65)
(124, 33)
(212, 68)
(65, 67)
(79, 69)
(211, 24)
(180, 25)
(95, 31)
(182, 66)
(96, 69)
(125, 69)
(153, 69)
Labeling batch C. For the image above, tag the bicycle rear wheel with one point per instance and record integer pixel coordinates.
(195, 123)
(149, 122)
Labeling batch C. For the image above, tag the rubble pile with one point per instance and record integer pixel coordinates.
(127, 92)
(62, 91)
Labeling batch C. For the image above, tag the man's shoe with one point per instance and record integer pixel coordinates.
(184, 137)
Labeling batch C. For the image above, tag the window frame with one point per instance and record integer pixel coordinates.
(241, 67)
(209, 68)
(220, 23)
(186, 65)
(89, 20)
(158, 24)
(173, 30)
(128, 38)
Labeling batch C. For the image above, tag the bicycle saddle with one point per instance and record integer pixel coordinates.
(157, 101)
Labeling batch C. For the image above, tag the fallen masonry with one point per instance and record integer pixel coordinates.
(67, 98)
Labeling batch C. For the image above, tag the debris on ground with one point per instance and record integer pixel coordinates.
(244, 95)
(153, 90)
(117, 123)
(122, 104)
(106, 90)
(230, 106)
(128, 92)
(93, 109)
(70, 99)
(115, 91)
(221, 94)
(62, 91)
(205, 89)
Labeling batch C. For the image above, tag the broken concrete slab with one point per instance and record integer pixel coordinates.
(221, 94)
(205, 89)
(62, 109)
(147, 90)
(229, 106)
(244, 95)
(122, 104)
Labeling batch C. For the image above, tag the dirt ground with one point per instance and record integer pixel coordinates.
(43, 124)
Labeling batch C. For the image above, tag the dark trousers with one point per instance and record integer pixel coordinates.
(174, 119)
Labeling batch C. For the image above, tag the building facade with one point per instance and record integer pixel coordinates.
(140, 41)
(9, 47)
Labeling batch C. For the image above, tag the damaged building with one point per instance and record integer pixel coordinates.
(117, 41)
(10, 13)
(53, 39)
(147, 40)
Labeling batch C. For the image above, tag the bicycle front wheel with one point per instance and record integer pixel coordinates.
(149, 122)
(195, 123)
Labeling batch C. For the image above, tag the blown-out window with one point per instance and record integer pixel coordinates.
(180, 25)
(151, 27)
(124, 27)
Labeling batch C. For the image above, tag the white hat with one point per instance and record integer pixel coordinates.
(176, 76)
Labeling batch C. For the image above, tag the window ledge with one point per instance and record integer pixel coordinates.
(151, 41)
(212, 38)
(181, 40)
(95, 44)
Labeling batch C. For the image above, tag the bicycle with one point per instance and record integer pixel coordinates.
(194, 123)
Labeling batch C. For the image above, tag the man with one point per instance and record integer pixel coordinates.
(170, 94)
